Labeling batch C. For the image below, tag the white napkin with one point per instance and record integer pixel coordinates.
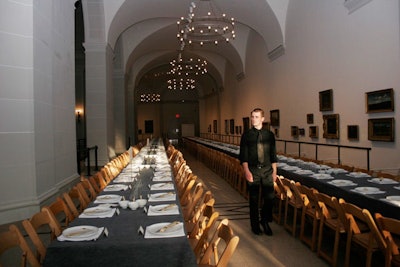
(162, 186)
(152, 231)
(167, 196)
(102, 215)
(124, 179)
(116, 187)
(165, 209)
(94, 237)
(164, 178)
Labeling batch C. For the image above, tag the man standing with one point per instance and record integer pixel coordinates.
(259, 161)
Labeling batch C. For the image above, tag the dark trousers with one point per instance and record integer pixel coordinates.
(260, 193)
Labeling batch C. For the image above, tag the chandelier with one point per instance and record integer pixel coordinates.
(150, 98)
(186, 67)
(181, 83)
(205, 23)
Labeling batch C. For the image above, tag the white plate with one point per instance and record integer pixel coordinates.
(393, 198)
(97, 211)
(322, 176)
(108, 199)
(167, 196)
(359, 174)
(304, 172)
(365, 189)
(164, 208)
(162, 186)
(116, 187)
(341, 182)
(154, 229)
(383, 181)
(82, 231)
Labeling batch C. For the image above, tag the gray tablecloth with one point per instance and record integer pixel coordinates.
(373, 202)
(124, 246)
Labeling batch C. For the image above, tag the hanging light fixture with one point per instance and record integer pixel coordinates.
(188, 66)
(205, 24)
(181, 83)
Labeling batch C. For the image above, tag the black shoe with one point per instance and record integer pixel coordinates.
(267, 229)
(256, 231)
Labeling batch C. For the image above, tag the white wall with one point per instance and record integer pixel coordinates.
(37, 129)
(326, 48)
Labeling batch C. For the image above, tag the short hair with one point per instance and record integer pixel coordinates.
(259, 110)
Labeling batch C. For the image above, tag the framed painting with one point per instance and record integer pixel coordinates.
(302, 132)
(381, 129)
(313, 131)
(226, 127)
(326, 100)
(380, 101)
(352, 132)
(274, 117)
(331, 126)
(232, 126)
(294, 131)
(310, 118)
(215, 129)
(246, 124)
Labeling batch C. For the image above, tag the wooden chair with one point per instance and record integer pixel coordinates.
(75, 201)
(311, 214)
(219, 253)
(362, 231)
(193, 201)
(41, 221)
(390, 229)
(294, 201)
(184, 194)
(200, 235)
(280, 199)
(61, 212)
(95, 185)
(330, 220)
(13, 238)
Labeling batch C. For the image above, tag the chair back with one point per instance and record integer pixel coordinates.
(214, 254)
(32, 226)
(13, 238)
(60, 211)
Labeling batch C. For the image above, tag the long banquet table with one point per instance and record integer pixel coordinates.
(124, 245)
(373, 193)
(385, 201)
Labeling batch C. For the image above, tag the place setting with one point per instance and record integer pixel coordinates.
(163, 209)
(158, 197)
(100, 211)
(341, 182)
(116, 187)
(322, 176)
(107, 199)
(162, 186)
(82, 233)
(393, 199)
(165, 230)
(368, 190)
(381, 180)
(358, 174)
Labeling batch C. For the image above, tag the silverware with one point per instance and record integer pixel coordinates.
(165, 228)
(170, 206)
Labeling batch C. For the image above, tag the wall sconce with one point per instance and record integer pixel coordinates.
(78, 115)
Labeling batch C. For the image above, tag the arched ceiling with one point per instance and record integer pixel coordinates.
(145, 32)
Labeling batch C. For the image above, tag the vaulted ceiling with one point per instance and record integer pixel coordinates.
(142, 34)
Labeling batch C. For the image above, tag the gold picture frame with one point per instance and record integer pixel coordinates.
(313, 131)
(380, 101)
(381, 129)
(331, 126)
(326, 100)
